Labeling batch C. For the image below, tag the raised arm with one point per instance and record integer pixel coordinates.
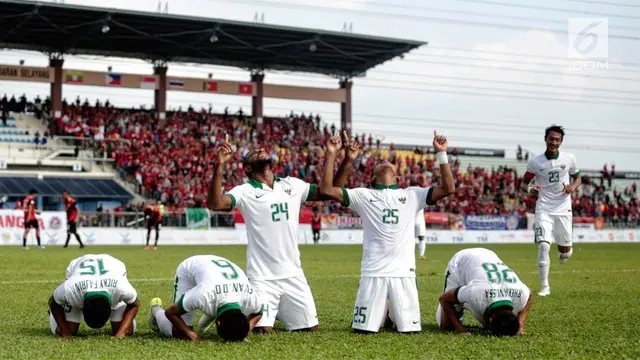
(215, 199)
(352, 150)
(327, 187)
(448, 300)
(447, 186)
(522, 315)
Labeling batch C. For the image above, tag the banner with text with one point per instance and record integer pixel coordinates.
(53, 227)
(335, 222)
(498, 222)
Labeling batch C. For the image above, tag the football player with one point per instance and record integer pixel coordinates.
(388, 277)
(219, 289)
(478, 281)
(552, 172)
(96, 290)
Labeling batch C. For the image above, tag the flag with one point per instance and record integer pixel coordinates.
(113, 79)
(74, 77)
(210, 86)
(147, 82)
(246, 89)
(176, 84)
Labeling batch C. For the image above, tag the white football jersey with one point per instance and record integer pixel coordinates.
(83, 264)
(388, 218)
(95, 273)
(219, 282)
(272, 218)
(551, 175)
(486, 282)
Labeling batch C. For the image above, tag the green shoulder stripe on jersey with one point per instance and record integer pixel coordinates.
(429, 197)
(180, 306)
(576, 174)
(255, 183)
(552, 158)
(495, 305)
(104, 294)
(312, 190)
(382, 187)
(226, 307)
(345, 197)
(233, 201)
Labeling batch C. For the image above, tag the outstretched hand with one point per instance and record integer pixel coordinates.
(352, 147)
(334, 144)
(224, 151)
(440, 142)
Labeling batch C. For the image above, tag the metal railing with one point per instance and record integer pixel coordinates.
(136, 219)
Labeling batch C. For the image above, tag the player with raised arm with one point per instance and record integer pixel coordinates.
(552, 172)
(219, 289)
(30, 219)
(420, 229)
(97, 290)
(271, 207)
(72, 218)
(153, 216)
(478, 281)
(388, 262)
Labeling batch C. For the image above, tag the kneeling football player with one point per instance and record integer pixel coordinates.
(96, 290)
(219, 289)
(478, 281)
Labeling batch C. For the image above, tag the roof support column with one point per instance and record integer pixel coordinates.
(160, 92)
(56, 86)
(257, 100)
(345, 107)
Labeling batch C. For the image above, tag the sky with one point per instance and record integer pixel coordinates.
(494, 74)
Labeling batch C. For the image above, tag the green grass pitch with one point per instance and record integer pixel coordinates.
(593, 311)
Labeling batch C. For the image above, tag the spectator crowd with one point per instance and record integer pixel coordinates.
(171, 161)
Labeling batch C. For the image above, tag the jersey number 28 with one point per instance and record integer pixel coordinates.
(498, 273)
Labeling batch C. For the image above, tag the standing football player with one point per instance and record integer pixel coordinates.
(553, 188)
(219, 289)
(153, 216)
(30, 219)
(96, 290)
(271, 208)
(477, 280)
(316, 225)
(388, 278)
(72, 218)
(420, 228)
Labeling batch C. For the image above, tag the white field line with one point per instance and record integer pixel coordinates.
(18, 282)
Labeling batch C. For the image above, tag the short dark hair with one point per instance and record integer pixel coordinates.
(33, 191)
(504, 322)
(414, 183)
(96, 311)
(233, 325)
(554, 128)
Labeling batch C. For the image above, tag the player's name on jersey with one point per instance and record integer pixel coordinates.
(88, 284)
(503, 293)
(235, 287)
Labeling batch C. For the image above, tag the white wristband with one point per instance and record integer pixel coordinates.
(442, 157)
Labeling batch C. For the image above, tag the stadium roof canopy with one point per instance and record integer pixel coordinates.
(72, 29)
(83, 188)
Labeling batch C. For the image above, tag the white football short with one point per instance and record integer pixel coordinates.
(74, 314)
(375, 293)
(451, 281)
(182, 284)
(553, 228)
(287, 300)
(420, 229)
